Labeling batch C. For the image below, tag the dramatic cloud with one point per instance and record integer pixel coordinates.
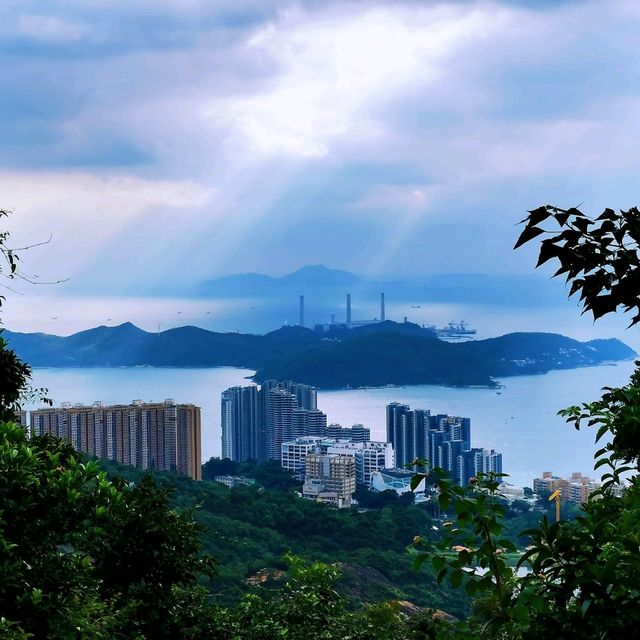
(178, 140)
(84, 213)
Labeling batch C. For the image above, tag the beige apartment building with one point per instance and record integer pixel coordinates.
(164, 436)
(577, 488)
(330, 478)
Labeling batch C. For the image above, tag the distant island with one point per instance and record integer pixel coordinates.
(262, 302)
(325, 285)
(386, 353)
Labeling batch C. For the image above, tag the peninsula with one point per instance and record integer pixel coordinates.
(386, 353)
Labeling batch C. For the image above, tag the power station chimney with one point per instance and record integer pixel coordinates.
(349, 310)
(302, 311)
(382, 307)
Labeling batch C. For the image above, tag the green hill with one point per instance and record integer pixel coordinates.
(373, 355)
(249, 529)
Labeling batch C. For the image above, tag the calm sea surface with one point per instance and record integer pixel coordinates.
(521, 421)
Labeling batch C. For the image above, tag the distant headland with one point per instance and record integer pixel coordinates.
(385, 353)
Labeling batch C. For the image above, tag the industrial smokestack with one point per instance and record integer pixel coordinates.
(302, 311)
(382, 307)
(348, 310)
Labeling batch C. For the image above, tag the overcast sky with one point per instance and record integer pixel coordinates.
(178, 140)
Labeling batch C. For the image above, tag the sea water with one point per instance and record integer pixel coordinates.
(520, 420)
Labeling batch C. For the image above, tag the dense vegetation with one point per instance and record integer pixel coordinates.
(83, 555)
(129, 550)
(249, 529)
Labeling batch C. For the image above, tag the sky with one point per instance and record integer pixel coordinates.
(160, 143)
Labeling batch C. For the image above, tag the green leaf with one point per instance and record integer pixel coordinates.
(536, 216)
(548, 250)
(416, 480)
(456, 578)
(419, 560)
(437, 562)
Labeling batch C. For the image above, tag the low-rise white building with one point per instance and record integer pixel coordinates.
(234, 481)
(510, 492)
(295, 451)
(368, 456)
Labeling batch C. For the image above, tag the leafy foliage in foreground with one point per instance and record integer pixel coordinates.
(307, 607)
(583, 576)
(84, 556)
(600, 256)
(15, 375)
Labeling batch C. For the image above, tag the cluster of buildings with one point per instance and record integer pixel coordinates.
(273, 421)
(256, 420)
(164, 436)
(576, 488)
(281, 421)
(443, 441)
(331, 468)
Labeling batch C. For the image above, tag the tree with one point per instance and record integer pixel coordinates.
(15, 375)
(307, 607)
(85, 556)
(584, 574)
(599, 256)
(51, 505)
(218, 467)
(14, 380)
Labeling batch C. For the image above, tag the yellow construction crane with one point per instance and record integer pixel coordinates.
(556, 496)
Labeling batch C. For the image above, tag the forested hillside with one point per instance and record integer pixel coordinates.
(249, 529)
(372, 355)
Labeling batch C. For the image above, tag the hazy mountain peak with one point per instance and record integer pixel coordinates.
(127, 326)
(256, 284)
(318, 274)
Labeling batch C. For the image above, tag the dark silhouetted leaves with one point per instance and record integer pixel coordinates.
(600, 257)
(528, 234)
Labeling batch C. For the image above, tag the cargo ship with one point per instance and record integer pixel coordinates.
(455, 331)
